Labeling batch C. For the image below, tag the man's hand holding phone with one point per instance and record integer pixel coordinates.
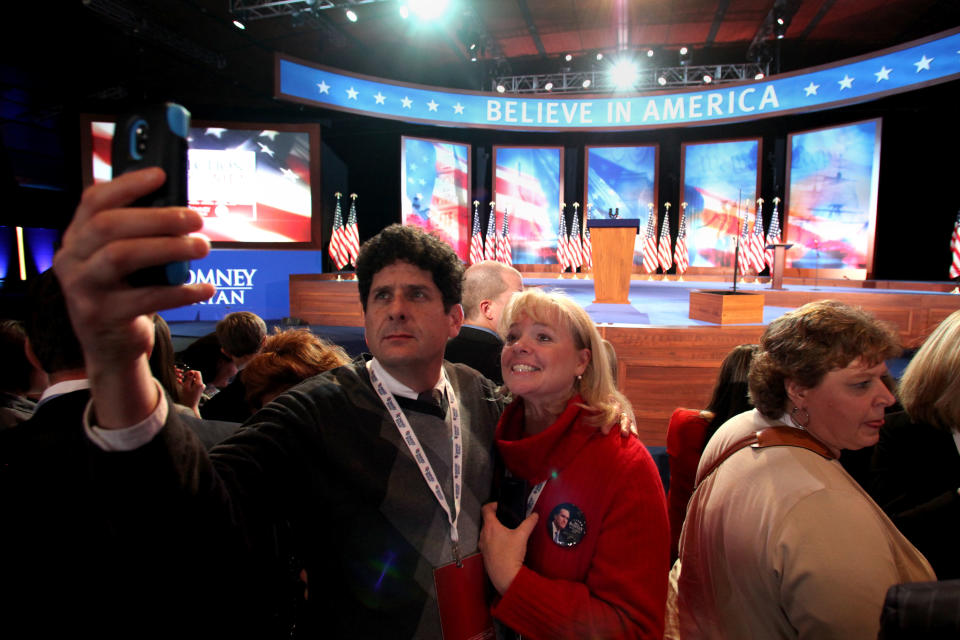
(107, 241)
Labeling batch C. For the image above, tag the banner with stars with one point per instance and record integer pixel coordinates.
(917, 64)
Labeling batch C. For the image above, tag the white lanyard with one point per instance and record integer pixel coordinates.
(534, 496)
(413, 444)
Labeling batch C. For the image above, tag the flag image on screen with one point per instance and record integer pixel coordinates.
(435, 189)
(832, 180)
(715, 176)
(527, 184)
(250, 185)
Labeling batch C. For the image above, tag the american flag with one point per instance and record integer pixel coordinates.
(650, 242)
(665, 257)
(576, 246)
(680, 253)
(755, 248)
(504, 249)
(476, 240)
(490, 248)
(563, 244)
(353, 233)
(587, 250)
(955, 249)
(338, 239)
(773, 234)
(745, 263)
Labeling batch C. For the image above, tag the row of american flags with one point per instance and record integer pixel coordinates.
(496, 244)
(752, 255)
(345, 238)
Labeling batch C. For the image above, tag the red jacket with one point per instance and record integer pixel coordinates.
(686, 435)
(613, 583)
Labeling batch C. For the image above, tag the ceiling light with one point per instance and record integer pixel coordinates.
(649, 53)
(501, 88)
(684, 51)
(428, 9)
(351, 15)
(662, 81)
(599, 56)
(707, 79)
(568, 57)
(780, 21)
(759, 76)
(586, 83)
(239, 24)
(624, 74)
(548, 86)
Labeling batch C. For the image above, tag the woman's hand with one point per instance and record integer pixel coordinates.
(191, 389)
(503, 549)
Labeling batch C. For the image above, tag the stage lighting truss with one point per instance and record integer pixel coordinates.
(260, 9)
(600, 82)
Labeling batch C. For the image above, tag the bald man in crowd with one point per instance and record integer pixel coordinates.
(487, 287)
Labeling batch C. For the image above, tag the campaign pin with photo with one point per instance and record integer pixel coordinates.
(566, 525)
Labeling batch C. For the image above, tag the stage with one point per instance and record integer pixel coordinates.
(665, 359)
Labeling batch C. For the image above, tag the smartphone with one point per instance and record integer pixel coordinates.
(156, 136)
(512, 503)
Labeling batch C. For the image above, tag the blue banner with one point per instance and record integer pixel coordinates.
(911, 66)
(246, 280)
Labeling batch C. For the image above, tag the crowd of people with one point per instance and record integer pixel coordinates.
(473, 475)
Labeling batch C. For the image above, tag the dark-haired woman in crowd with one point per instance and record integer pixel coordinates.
(916, 464)
(592, 560)
(779, 541)
(690, 430)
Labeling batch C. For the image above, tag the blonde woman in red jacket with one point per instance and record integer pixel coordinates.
(591, 558)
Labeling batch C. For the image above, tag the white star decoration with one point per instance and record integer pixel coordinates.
(379, 98)
(846, 83)
(351, 94)
(216, 132)
(324, 87)
(432, 105)
(265, 149)
(267, 133)
(406, 102)
(811, 89)
(883, 74)
(924, 63)
(288, 174)
(458, 109)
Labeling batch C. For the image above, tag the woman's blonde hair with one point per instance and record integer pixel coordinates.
(596, 386)
(930, 387)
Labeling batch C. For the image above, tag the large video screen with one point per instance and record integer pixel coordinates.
(832, 179)
(251, 183)
(622, 181)
(435, 189)
(528, 185)
(720, 183)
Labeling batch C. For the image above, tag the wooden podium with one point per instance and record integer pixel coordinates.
(779, 259)
(612, 242)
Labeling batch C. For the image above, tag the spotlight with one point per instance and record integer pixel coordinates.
(568, 57)
(624, 74)
(428, 9)
(780, 21)
(780, 28)
(707, 79)
(684, 51)
(473, 46)
(599, 56)
(239, 24)
(501, 88)
(759, 76)
(548, 86)
(649, 53)
(404, 11)
(586, 83)
(351, 15)
(684, 56)
(473, 56)
(662, 81)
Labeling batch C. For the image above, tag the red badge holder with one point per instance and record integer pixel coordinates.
(461, 597)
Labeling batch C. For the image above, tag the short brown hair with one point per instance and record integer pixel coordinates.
(288, 358)
(241, 333)
(484, 281)
(930, 387)
(806, 343)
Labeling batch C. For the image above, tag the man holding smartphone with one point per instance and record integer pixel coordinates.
(382, 489)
